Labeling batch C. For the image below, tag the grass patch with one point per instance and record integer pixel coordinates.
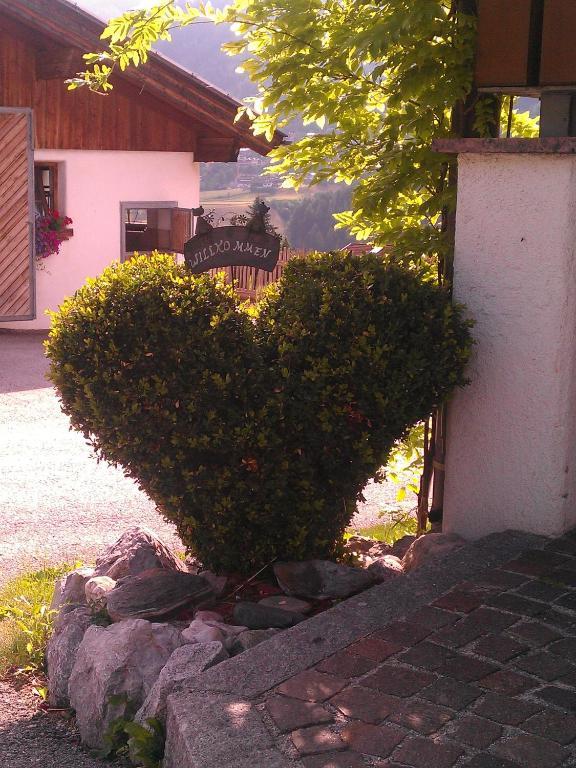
(25, 618)
(246, 196)
(399, 525)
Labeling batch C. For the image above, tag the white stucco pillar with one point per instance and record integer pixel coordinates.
(511, 455)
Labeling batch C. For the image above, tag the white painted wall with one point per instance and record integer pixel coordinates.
(92, 186)
(511, 456)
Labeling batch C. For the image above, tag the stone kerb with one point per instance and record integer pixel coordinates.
(217, 722)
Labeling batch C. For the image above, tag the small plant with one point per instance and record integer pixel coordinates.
(143, 743)
(146, 743)
(35, 624)
(50, 233)
(26, 620)
(397, 525)
(406, 463)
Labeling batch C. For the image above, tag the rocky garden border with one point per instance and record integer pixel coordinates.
(202, 676)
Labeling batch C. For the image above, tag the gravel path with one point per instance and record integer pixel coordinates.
(57, 503)
(29, 737)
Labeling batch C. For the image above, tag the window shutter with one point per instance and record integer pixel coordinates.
(17, 301)
(181, 229)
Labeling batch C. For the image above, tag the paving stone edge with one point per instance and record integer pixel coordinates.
(233, 685)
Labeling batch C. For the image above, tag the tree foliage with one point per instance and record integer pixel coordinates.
(379, 79)
(376, 81)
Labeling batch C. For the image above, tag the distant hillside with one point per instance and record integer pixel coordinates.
(198, 49)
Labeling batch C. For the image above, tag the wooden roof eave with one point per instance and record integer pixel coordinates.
(160, 78)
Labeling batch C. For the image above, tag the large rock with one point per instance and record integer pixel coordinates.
(200, 632)
(179, 673)
(97, 589)
(430, 546)
(156, 593)
(136, 551)
(258, 616)
(320, 579)
(69, 590)
(209, 627)
(401, 546)
(114, 672)
(286, 603)
(61, 652)
(385, 568)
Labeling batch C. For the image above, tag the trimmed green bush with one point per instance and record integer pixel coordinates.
(255, 430)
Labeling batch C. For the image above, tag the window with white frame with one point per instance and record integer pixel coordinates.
(154, 226)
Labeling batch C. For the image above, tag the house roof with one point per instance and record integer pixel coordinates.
(71, 28)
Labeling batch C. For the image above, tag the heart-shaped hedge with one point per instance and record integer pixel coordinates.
(255, 429)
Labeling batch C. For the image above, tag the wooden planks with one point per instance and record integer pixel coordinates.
(250, 282)
(157, 107)
(507, 52)
(16, 261)
(558, 44)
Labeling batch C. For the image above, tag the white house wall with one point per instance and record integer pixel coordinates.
(92, 185)
(511, 460)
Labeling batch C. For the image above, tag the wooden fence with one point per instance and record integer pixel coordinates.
(249, 281)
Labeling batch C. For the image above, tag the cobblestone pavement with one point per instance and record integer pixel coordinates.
(57, 503)
(484, 677)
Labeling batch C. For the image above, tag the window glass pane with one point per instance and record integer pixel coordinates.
(147, 227)
(136, 216)
(45, 188)
(136, 228)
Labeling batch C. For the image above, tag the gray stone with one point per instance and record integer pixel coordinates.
(205, 629)
(256, 616)
(429, 547)
(199, 631)
(218, 731)
(286, 603)
(69, 590)
(364, 551)
(180, 671)
(385, 568)
(401, 546)
(122, 661)
(97, 589)
(61, 652)
(320, 579)
(250, 638)
(137, 550)
(208, 616)
(155, 593)
(358, 543)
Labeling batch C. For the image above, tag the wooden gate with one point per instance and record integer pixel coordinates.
(17, 300)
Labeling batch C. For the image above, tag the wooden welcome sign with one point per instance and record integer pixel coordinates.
(232, 246)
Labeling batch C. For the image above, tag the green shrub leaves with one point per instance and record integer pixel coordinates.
(255, 431)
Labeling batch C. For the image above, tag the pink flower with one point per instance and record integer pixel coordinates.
(49, 233)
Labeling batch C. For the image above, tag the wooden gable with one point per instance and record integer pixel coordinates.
(158, 107)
